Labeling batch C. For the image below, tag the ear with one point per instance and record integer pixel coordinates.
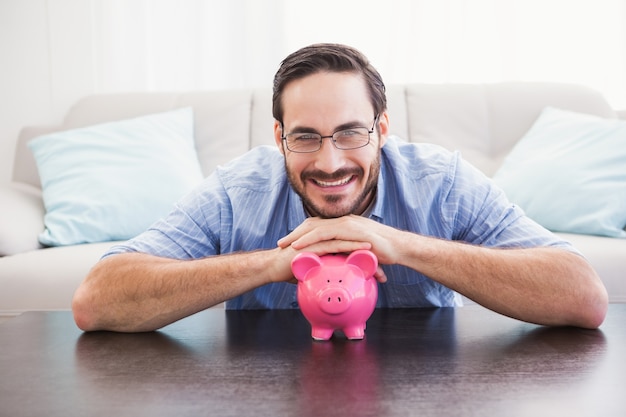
(365, 260)
(278, 133)
(383, 126)
(302, 264)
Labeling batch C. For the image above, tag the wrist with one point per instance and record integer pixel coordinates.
(279, 263)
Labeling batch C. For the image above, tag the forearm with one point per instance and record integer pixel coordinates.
(138, 292)
(541, 285)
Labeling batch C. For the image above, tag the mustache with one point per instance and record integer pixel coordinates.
(325, 176)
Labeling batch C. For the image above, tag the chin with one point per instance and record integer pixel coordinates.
(330, 209)
(332, 215)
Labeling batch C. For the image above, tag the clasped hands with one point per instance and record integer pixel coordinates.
(346, 234)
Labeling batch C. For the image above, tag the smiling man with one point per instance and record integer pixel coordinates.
(338, 177)
(337, 182)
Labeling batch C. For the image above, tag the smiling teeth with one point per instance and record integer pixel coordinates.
(334, 183)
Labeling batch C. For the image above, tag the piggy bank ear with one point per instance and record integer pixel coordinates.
(302, 264)
(364, 260)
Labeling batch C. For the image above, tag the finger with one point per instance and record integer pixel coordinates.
(285, 241)
(314, 230)
(335, 246)
(380, 275)
(321, 233)
(298, 232)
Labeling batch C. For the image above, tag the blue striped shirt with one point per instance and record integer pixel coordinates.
(248, 205)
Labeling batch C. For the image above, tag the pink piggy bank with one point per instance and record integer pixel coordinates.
(336, 291)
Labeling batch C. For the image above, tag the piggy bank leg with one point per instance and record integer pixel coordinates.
(321, 333)
(355, 332)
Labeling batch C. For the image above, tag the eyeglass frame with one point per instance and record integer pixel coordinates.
(331, 137)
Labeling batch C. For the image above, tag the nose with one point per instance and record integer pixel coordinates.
(335, 300)
(329, 158)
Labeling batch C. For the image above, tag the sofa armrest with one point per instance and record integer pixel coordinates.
(21, 218)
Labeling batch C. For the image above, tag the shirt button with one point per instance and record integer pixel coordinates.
(294, 304)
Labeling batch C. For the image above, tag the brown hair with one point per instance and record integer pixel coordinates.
(327, 57)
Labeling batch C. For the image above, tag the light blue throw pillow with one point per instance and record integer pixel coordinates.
(111, 181)
(569, 173)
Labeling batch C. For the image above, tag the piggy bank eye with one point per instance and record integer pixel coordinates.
(340, 280)
(328, 280)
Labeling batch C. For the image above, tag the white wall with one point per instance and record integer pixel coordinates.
(24, 72)
(46, 65)
(57, 51)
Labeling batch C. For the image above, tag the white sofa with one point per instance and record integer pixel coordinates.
(482, 121)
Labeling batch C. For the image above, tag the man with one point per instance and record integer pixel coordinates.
(338, 183)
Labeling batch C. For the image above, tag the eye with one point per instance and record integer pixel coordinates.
(305, 137)
(348, 133)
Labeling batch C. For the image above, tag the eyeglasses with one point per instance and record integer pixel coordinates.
(345, 139)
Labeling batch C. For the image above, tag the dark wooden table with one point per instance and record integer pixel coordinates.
(428, 362)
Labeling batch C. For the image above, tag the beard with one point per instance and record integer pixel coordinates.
(336, 205)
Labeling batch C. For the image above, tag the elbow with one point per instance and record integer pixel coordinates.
(98, 303)
(587, 302)
(596, 309)
(594, 303)
(83, 315)
(85, 302)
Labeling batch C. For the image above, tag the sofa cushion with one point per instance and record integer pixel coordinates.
(569, 173)
(222, 119)
(485, 121)
(45, 279)
(21, 218)
(111, 181)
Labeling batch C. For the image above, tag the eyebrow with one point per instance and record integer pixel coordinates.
(343, 126)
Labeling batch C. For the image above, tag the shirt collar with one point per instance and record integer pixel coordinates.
(376, 212)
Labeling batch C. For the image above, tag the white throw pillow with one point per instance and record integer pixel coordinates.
(569, 173)
(111, 181)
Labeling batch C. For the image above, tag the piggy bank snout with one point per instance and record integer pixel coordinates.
(334, 300)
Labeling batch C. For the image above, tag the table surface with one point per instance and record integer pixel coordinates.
(465, 361)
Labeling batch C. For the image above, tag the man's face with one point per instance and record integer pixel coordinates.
(332, 182)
